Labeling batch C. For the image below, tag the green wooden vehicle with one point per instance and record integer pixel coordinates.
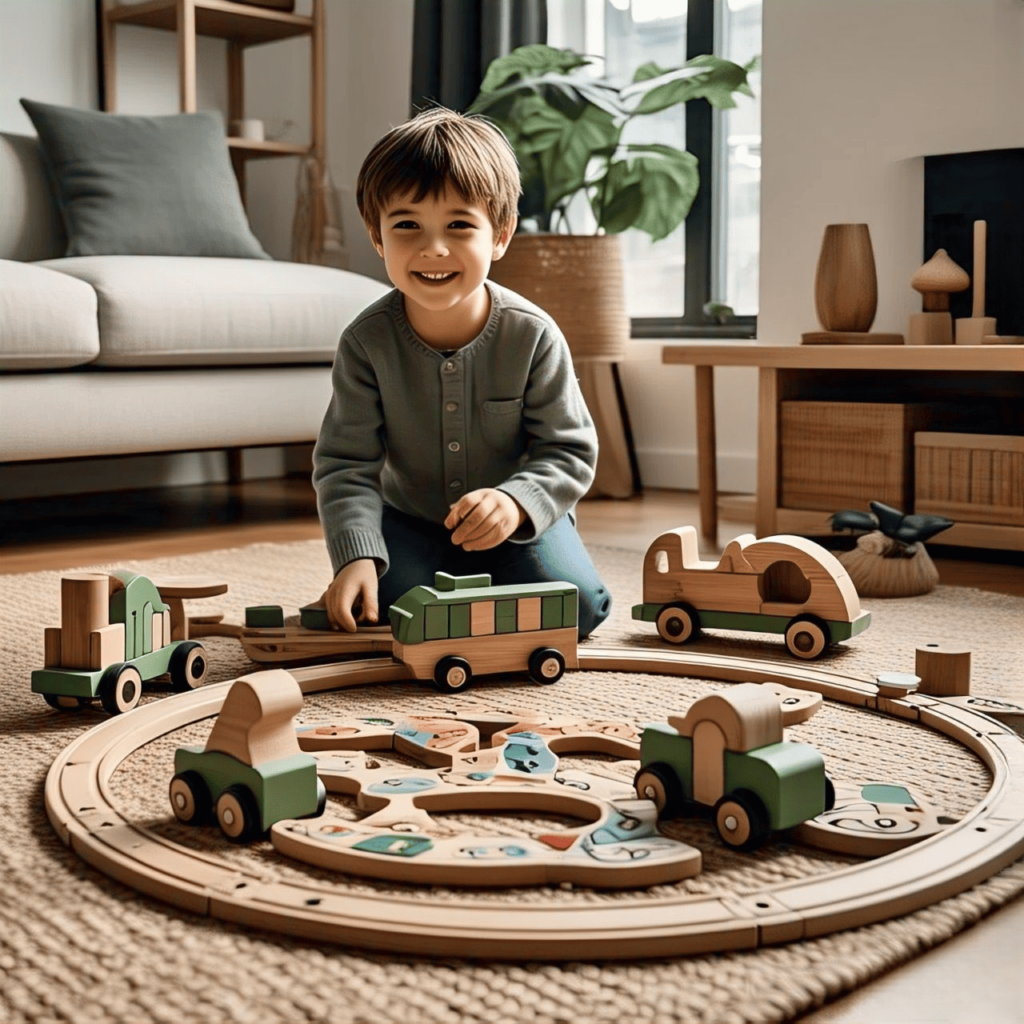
(782, 584)
(251, 773)
(462, 626)
(728, 753)
(115, 634)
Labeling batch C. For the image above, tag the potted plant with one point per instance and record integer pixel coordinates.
(567, 130)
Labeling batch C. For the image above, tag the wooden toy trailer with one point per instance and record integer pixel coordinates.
(462, 626)
(115, 633)
(728, 752)
(782, 584)
(252, 772)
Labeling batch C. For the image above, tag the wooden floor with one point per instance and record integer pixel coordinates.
(974, 977)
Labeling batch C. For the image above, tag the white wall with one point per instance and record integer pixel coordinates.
(47, 53)
(855, 93)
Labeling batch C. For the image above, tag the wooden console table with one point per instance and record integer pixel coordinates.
(989, 378)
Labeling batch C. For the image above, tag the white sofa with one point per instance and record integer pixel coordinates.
(109, 355)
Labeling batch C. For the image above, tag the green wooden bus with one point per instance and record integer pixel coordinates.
(463, 626)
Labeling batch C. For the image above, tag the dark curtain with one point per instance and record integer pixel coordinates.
(455, 40)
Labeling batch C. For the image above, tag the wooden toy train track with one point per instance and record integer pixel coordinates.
(987, 838)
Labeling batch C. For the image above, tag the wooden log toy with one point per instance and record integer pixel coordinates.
(945, 669)
(618, 845)
(115, 633)
(974, 329)
(782, 584)
(935, 280)
(251, 771)
(728, 753)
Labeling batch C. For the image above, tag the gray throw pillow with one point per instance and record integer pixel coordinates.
(143, 186)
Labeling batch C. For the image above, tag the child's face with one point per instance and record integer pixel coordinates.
(438, 252)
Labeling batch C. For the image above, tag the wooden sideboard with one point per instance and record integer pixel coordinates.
(974, 389)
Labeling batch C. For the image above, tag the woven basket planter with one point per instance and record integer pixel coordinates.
(578, 281)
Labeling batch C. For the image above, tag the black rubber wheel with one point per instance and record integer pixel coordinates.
(830, 794)
(452, 675)
(190, 798)
(741, 820)
(808, 637)
(120, 688)
(62, 702)
(188, 666)
(238, 814)
(547, 665)
(678, 624)
(658, 782)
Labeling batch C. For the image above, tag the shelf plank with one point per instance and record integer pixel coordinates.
(250, 149)
(245, 25)
(850, 357)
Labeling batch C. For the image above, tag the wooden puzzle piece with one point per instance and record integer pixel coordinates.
(871, 819)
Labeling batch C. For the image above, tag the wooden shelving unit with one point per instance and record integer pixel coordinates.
(242, 26)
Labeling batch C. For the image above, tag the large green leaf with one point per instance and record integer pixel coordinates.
(705, 77)
(565, 164)
(529, 62)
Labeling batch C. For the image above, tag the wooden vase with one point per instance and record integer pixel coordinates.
(845, 285)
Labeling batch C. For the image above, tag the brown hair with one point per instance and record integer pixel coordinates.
(435, 150)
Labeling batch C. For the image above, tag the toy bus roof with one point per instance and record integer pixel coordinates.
(485, 592)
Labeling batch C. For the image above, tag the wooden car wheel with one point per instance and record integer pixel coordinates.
(238, 814)
(807, 637)
(120, 688)
(678, 624)
(452, 675)
(658, 782)
(188, 666)
(741, 820)
(190, 798)
(547, 665)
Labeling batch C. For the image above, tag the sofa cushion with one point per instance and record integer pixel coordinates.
(47, 320)
(155, 186)
(176, 311)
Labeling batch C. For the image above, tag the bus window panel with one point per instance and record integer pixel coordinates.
(505, 616)
(551, 611)
(458, 620)
(570, 609)
(435, 624)
(481, 618)
(529, 613)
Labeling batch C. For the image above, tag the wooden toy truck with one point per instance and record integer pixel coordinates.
(115, 633)
(252, 772)
(782, 584)
(463, 625)
(728, 752)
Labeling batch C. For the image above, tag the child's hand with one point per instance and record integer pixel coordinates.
(352, 592)
(483, 519)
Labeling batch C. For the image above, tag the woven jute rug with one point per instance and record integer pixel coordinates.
(76, 945)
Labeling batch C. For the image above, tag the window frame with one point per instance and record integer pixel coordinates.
(703, 140)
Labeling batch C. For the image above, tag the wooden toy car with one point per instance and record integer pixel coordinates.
(782, 584)
(115, 633)
(463, 625)
(252, 772)
(728, 752)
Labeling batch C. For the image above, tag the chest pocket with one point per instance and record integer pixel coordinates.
(501, 422)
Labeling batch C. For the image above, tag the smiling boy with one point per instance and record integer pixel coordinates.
(456, 438)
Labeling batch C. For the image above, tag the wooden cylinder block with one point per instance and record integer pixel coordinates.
(945, 670)
(84, 607)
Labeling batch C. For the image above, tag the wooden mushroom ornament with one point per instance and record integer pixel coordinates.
(935, 280)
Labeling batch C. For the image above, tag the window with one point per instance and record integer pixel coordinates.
(713, 257)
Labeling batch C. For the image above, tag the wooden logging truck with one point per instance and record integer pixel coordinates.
(783, 584)
(115, 633)
(464, 626)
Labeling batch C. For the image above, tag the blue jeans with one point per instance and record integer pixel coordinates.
(418, 548)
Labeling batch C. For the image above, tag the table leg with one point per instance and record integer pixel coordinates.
(707, 459)
(767, 451)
